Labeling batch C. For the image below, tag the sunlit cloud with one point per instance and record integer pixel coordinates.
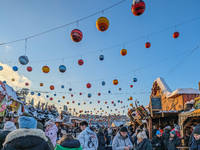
(8, 48)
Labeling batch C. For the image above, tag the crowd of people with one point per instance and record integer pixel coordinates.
(29, 134)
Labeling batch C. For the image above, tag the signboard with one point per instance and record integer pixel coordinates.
(197, 103)
(142, 112)
(156, 104)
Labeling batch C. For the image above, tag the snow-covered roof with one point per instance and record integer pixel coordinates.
(163, 85)
(8, 91)
(184, 91)
(190, 102)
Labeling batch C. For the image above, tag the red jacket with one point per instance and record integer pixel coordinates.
(177, 133)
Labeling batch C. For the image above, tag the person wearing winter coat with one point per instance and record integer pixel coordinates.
(51, 131)
(144, 144)
(8, 127)
(87, 137)
(134, 137)
(154, 131)
(105, 132)
(165, 136)
(157, 142)
(121, 140)
(174, 141)
(192, 136)
(68, 142)
(177, 130)
(101, 140)
(195, 141)
(27, 137)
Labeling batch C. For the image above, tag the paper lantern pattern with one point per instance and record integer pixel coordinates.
(98, 101)
(13, 79)
(1, 68)
(79, 104)
(29, 69)
(102, 24)
(23, 60)
(88, 85)
(84, 103)
(134, 79)
(62, 68)
(115, 82)
(54, 94)
(138, 8)
(123, 52)
(147, 44)
(51, 98)
(105, 102)
(15, 68)
(76, 35)
(112, 102)
(131, 86)
(73, 102)
(101, 57)
(131, 104)
(99, 94)
(118, 101)
(47, 96)
(45, 69)
(80, 62)
(41, 84)
(51, 87)
(175, 34)
(63, 97)
(27, 84)
(109, 91)
(80, 93)
(72, 95)
(39, 94)
(90, 102)
(67, 102)
(62, 86)
(120, 89)
(103, 83)
(32, 93)
(89, 95)
(4, 82)
(70, 89)
(131, 98)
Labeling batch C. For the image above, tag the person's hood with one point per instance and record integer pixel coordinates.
(54, 128)
(120, 136)
(73, 143)
(25, 138)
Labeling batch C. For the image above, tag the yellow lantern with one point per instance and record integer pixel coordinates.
(13, 79)
(131, 104)
(45, 69)
(102, 24)
(130, 98)
(94, 109)
(84, 103)
(123, 52)
(115, 82)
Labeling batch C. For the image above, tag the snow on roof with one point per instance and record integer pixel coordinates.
(190, 102)
(184, 91)
(163, 85)
(8, 91)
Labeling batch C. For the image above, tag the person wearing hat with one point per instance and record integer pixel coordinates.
(165, 136)
(157, 142)
(177, 130)
(8, 127)
(134, 137)
(174, 141)
(101, 140)
(143, 143)
(121, 140)
(195, 143)
(27, 137)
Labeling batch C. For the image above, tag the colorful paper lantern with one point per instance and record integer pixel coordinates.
(80, 62)
(99, 94)
(13, 79)
(29, 69)
(72, 95)
(130, 98)
(41, 84)
(62, 68)
(103, 83)
(131, 104)
(4, 82)
(84, 103)
(73, 102)
(112, 102)
(47, 96)
(27, 84)
(147, 44)
(109, 91)
(131, 86)
(62, 86)
(102, 24)
(105, 102)
(63, 97)
(79, 104)
(70, 89)
(121, 102)
(88, 85)
(23, 60)
(101, 57)
(120, 89)
(123, 52)
(54, 94)
(45, 69)
(32, 93)
(39, 94)
(118, 101)
(51, 87)
(15, 68)
(80, 93)
(76, 35)
(107, 106)
(60, 107)
(134, 79)
(98, 101)
(67, 102)
(89, 95)
(175, 34)
(138, 8)
(51, 98)
(1, 68)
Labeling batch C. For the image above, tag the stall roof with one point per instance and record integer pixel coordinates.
(184, 91)
(163, 85)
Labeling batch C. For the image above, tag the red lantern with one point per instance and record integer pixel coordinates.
(115, 82)
(76, 35)
(72, 95)
(98, 101)
(112, 102)
(176, 35)
(123, 52)
(99, 94)
(80, 93)
(51, 87)
(80, 62)
(67, 102)
(29, 69)
(73, 102)
(51, 98)
(88, 85)
(131, 86)
(121, 102)
(27, 84)
(63, 97)
(60, 107)
(148, 44)
(138, 8)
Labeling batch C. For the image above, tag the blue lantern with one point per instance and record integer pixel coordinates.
(101, 113)
(114, 104)
(1, 68)
(15, 68)
(103, 83)
(39, 94)
(79, 104)
(89, 95)
(62, 86)
(4, 82)
(90, 102)
(124, 106)
(32, 93)
(111, 110)
(54, 94)
(134, 79)
(62, 68)
(100, 108)
(47, 96)
(85, 111)
(23, 60)
(120, 89)
(107, 106)
(118, 101)
(70, 89)
(101, 57)
(109, 91)
(58, 101)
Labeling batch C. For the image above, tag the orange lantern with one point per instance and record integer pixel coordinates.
(130, 98)
(123, 52)
(63, 97)
(84, 103)
(115, 82)
(105, 102)
(176, 35)
(41, 84)
(102, 24)
(13, 79)
(131, 104)
(45, 69)
(67, 102)
(148, 44)
(51, 87)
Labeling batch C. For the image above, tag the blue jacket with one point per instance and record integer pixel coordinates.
(195, 144)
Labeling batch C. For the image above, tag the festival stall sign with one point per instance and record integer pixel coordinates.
(197, 103)
(155, 104)
(142, 112)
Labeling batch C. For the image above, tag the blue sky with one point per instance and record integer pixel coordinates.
(26, 18)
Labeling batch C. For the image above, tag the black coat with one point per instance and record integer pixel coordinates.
(26, 139)
(154, 132)
(165, 137)
(101, 141)
(3, 137)
(145, 145)
(107, 137)
(157, 140)
(175, 142)
(73, 143)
